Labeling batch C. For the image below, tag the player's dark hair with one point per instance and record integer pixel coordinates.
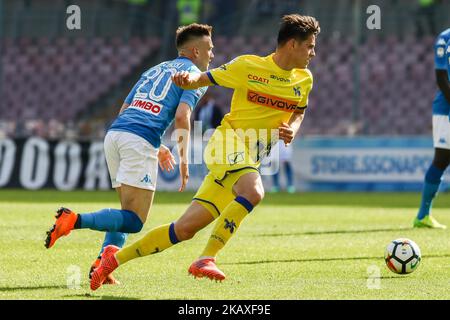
(189, 32)
(297, 27)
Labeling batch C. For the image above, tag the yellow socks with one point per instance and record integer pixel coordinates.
(164, 236)
(226, 225)
(155, 241)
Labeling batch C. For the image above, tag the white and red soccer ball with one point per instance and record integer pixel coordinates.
(402, 256)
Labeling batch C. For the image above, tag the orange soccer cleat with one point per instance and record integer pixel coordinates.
(206, 267)
(108, 264)
(109, 279)
(65, 222)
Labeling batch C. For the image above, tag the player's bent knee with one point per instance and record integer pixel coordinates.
(261, 194)
(254, 196)
(258, 197)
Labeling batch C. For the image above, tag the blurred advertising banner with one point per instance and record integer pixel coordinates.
(35, 163)
(362, 164)
(320, 164)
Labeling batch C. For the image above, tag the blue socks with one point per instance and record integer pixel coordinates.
(117, 224)
(276, 180)
(111, 220)
(433, 179)
(113, 238)
(245, 203)
(289, 174)
(172, 235)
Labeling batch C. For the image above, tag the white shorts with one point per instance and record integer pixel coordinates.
(441, 132)
(131, 160)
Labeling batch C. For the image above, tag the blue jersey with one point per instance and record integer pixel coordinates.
(447, 54)
(154, 99)
(440, 105)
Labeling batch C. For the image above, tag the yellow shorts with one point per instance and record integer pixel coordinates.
(227, 159)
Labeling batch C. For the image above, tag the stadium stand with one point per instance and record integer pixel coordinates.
(44, 79)
(369, 88)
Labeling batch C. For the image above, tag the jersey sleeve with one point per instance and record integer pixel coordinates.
(440, 62)
(192, 97)
(230, 75)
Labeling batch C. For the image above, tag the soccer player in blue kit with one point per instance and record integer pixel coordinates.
(133, 143)
(441, 135)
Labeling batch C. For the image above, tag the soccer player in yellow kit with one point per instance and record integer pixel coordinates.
(270, 93)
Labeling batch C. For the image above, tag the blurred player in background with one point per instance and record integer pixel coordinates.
(269, 93)
(209, 113)
(132, 142)
(441, 135)
(285, 161)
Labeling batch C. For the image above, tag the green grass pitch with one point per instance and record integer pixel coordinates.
(303, 246)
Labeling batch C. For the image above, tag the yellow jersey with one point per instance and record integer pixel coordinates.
(264, 94)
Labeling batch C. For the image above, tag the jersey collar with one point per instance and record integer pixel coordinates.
(182, 57)
(278, 69)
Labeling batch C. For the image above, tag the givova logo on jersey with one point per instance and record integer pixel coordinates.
(146, 105)
(273, 102)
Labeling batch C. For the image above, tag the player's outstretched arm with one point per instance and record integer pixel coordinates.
(182, 132)
(190, 81)
(166, 159)
(287, 131)
(124, 106)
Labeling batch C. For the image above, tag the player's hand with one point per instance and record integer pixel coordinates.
(286, 133)
(165, 159)
(181, 79)
(184, 175)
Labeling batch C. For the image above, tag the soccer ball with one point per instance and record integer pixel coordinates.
(402, 256)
